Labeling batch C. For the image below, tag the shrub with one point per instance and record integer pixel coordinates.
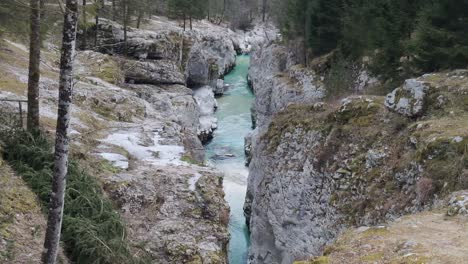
(424, 189)
(92, 230)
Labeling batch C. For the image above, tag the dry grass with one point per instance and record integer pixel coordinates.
(429, 237)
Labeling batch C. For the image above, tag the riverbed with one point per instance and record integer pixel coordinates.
(226, 152)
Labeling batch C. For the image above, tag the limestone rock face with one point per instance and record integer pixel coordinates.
(277, 82)
(290, 218)
(153, 72)
(220, 87)
(409, 99)
(204, 54)
(208, 59)
(207, 104)
(141, 44)
(458, 204)
(318, 168)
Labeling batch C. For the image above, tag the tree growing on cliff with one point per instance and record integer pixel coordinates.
(55, 217)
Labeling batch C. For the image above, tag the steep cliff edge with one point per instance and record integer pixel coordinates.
(317, 168)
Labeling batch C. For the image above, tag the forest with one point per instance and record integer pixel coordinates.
(402, 38)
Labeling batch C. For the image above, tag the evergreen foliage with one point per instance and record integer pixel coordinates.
(401, 37)
(14, 18)
(441, 40)
(93, 231)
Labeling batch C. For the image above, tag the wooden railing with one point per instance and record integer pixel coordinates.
(8, 118)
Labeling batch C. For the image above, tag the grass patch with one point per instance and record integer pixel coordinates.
(10, 83)
(92, 231)
(190, 160)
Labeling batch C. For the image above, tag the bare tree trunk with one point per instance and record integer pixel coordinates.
(184, 20)
(140, 15)
(125, 24)
(223, 13)
(98, 13)
(85, 26)
(113, 10)
(190, 19)
(307, 22)
(264, 9)
(57, 196)
(34, 65)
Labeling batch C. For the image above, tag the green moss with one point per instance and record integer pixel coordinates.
(444, 160)
(10, 83)
(373, 232)
(195, 260)
(358, 111)
(374, 257)
(190, 160)
(307, 117)
(9, 252)
(318, 260)
(106, 166)
(464, 101)
(110, 73)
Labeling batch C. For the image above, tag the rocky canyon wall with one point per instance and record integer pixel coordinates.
(318, 167)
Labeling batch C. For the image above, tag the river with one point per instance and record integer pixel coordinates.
(226, 152)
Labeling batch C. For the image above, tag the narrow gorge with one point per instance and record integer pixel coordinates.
(234, 131)
(226, 152)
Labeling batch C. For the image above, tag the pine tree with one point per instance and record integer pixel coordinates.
(441, 40)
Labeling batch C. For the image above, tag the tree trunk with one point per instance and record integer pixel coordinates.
(307, 24)
(34, 65)
(54, 223)
(140, 15)
(85, 26)
(125, 24)
(113, 10)
(181, 50)
(222, 14)
(190, 19)
(98, 13)
(184, 21)
(264, 9)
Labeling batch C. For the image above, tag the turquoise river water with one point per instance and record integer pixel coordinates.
(226, 152)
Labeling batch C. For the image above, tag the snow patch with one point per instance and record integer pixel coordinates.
(18, 45)
(193, 181)
(117, 160)
(150, 151)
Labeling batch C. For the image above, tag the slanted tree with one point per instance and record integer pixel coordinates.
(34, 65)
(56, 206)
